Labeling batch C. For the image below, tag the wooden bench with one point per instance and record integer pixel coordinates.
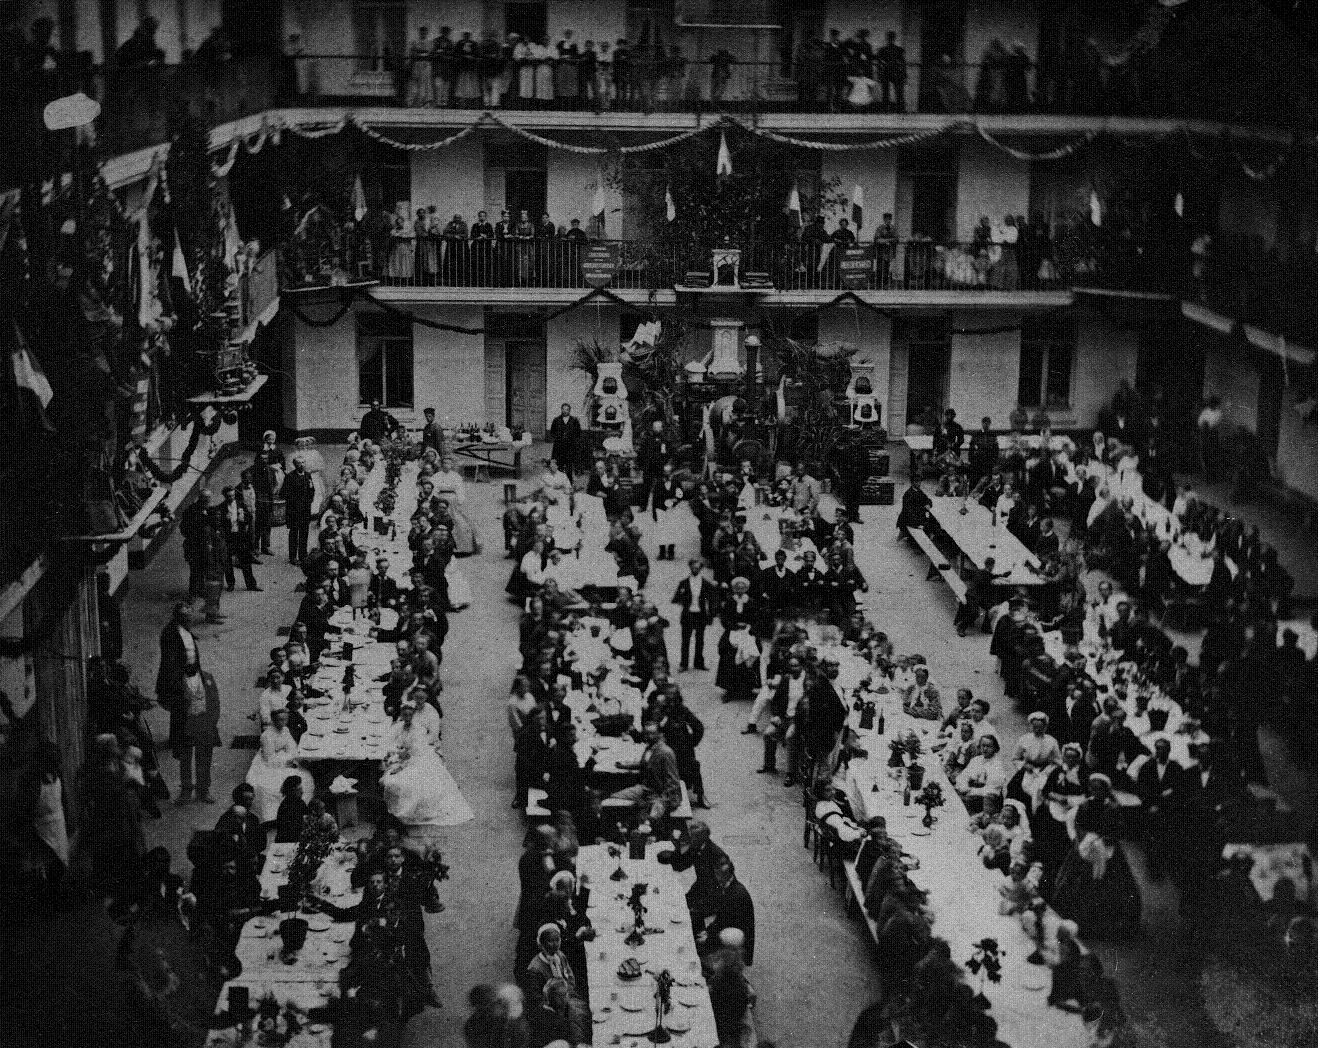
(536, 801)
(938, 564)
(856, 897)
(682, 813)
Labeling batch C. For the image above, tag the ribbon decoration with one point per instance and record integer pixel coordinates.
(414, 147)
(891, 142)
(1052, 154)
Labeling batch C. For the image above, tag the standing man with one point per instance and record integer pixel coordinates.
(660, 790)
(984, 451)
(267, 477)
(654, 451)
(565, 432)
(237, 522)
(377, 424)
(432, 434)
(178, 650)
(215, 563)
(825, 716)
(892, 71)
(192, 526)
(298, 493)
(197, 715)
(696, 597)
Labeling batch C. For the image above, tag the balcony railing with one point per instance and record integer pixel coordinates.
(898, 265)
(668, 84)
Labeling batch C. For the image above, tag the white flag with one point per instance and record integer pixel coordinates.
(668, 203)
(1095, 208)
(858, 206)
(179, 265)
(358, 199)
(597, 206)
(793, 207)
(724, 165)
(27, 371)
(1179, 205)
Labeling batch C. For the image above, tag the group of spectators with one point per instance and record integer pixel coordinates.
(1108, 736)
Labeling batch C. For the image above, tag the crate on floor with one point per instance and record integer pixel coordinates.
(878, 491)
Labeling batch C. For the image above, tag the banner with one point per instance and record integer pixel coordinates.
(856, 267)
(599, 262)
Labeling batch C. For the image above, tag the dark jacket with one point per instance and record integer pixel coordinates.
(708, 603)
(298, 493)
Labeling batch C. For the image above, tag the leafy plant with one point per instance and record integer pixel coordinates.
(986, 958)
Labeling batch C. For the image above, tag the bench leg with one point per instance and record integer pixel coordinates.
(932, 573)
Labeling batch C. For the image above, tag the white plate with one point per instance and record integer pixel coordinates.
(677, 1025)
(319, 922)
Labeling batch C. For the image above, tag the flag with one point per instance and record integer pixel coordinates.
(858, 206)
(597, 207)
(724, 165)
(358, 199)
(1095, 208)
(793, 207)
(27, 371)
(179, 265)
(668, 203)
(1178, 205)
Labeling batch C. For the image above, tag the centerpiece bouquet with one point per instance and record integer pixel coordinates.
(931, 797)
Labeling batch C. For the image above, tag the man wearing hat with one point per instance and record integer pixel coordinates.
(237, 525)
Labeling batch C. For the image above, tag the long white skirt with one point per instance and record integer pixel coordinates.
(459, 589)
(423, 793)
(267, 780)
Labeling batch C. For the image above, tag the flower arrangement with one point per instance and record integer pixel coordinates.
(931, 797)
(986, 962)
(276, 1026)
(663, 1002)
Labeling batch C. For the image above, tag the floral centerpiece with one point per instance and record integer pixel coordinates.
(930, 797)
(986, 962)
(636, 937)
(663, 1001)
(904, 750)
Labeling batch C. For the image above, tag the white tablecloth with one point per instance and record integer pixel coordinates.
(626, 1009)
(977, 537)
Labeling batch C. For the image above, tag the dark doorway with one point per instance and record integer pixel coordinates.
(524, 190)
(527, 18)
(1170, 369)
(928, 356)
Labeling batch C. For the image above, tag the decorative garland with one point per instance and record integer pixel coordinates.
(1052, 154)
(351, 294)
(414, 147)
(890, 142)
(199, 429)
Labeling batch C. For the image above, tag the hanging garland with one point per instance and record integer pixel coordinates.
(414, 147)
(1052, 154)
(841, 147)
(199, 429)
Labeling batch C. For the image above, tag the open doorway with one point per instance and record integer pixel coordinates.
(928, 356)
(529, 19)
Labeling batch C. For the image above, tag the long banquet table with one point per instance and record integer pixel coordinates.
(977, 537)
(963, 895)
(624, 1012)
(312, 979)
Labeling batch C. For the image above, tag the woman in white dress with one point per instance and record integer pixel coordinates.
(273, 697)
(418, 788)
(524, 57)
(275, 761)
(451, 488)
(402, 249)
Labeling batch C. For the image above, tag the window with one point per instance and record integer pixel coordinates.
(1047, 359)
(528, 18)
(379, 29)
(384, 360)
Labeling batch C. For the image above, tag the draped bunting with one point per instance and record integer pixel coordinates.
(1052, 154)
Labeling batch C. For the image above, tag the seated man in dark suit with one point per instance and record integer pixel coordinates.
(730, 906)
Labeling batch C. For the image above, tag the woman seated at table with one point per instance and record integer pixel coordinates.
(274, 696)
(985, 774)
(418, 789)
(1037, 753)
(272, 765)
(565, 905)
(960, 749)
(739, 652)
(1095, 887)
(552, 963)
(1064, 788)
(1008, 840)
(450, 488)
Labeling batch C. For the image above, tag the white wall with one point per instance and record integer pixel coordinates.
(876, 172)
(983, 370)
(462, 16)
(448, 371)
(989, 183)
(878, 16)
(449, 368)
(452, 179)
(570, 181)
(590, 20)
